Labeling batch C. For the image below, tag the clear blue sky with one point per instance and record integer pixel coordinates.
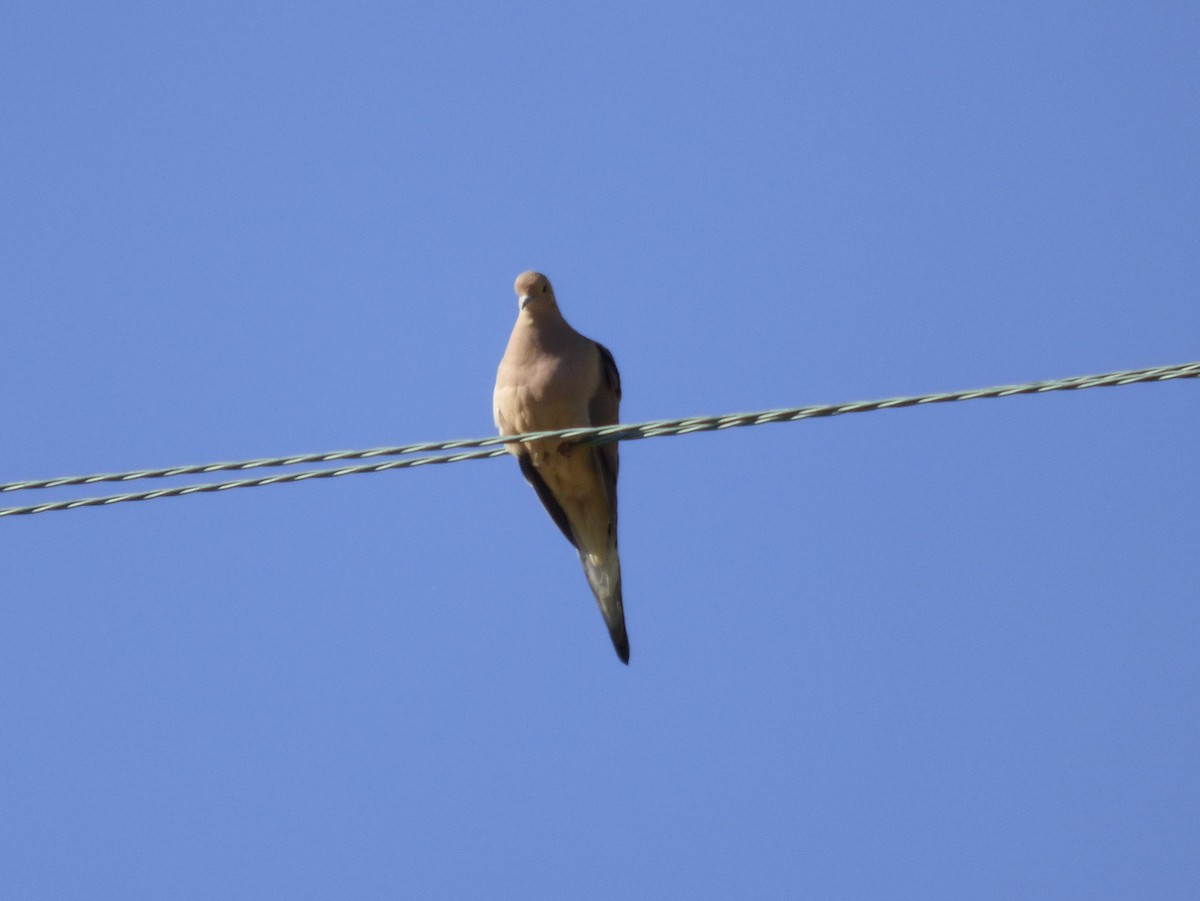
(946, 652)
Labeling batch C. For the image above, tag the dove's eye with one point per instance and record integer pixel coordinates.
(545, 288)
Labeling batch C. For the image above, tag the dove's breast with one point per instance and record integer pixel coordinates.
(546, 393)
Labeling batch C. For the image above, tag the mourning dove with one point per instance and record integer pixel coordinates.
(551, 377)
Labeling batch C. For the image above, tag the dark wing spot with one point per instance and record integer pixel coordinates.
(612, 378)
(604, 409)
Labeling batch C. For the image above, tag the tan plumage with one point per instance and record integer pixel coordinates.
(552, 377)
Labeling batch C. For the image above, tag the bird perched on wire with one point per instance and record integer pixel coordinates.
(551, 377)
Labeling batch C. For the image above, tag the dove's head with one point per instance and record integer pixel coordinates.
(534, 291)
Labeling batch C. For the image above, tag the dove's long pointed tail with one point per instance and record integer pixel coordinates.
(603, 572)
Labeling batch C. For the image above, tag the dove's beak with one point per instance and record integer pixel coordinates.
(524, 300)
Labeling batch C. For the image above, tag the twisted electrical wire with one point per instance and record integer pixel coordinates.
(598, 435)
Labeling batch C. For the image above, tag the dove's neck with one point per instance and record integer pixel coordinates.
(545, 322)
